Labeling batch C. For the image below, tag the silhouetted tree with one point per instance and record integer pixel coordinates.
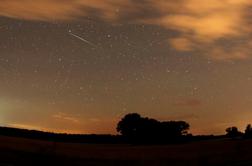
(175, 128)
(129, 125)
(233, 132)
(248, 131)
(145, 130)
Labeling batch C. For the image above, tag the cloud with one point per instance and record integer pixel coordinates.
(199, 24)
(235, 52)
(202, 24)
(181, 44)
(203, 19)
(185, 117)
(188, 102)
(39, 10)
(52, 10)
(49, 129)
(26, 126)
(65, 117)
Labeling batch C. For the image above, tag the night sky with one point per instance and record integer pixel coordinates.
(78, 66)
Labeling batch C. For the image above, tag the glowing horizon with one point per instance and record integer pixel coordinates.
(185, 60)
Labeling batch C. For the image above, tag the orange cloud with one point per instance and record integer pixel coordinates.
(49, 10)
(188, 102)
(237, 52)
(204, 19)
(34, 127)
(26, 126)
(65, 117)
(181, 44)
(200, 23)
(39, 10)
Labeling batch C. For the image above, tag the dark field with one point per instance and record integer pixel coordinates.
(19, 151)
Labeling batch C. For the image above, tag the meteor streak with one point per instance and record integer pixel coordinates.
(82, 39)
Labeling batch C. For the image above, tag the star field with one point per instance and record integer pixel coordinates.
(123, 61)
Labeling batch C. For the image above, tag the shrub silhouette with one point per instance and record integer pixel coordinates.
(175, 128)
(137, 129)
(129, 125)
(248, 131)
(233, 132)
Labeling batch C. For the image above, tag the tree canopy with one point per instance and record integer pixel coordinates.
(233, 132)
(143, 129)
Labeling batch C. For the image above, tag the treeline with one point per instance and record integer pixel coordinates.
(233, 132)
(132, 129)
(63, 137)
(137, 129)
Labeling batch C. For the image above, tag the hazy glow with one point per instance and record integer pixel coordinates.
(183, 59)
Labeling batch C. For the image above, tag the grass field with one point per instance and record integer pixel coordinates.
(19, 151)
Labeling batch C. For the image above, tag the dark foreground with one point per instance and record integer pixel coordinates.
(20, 151)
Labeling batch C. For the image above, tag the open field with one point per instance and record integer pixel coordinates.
(19, 151)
